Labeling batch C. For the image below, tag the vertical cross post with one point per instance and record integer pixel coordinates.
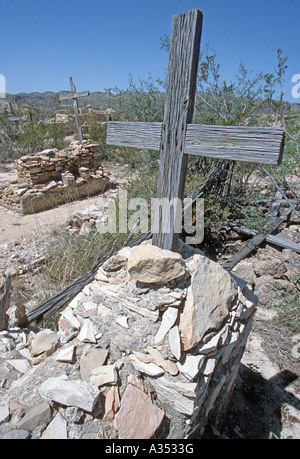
(179, 108)
(74, 96)
(75, 107)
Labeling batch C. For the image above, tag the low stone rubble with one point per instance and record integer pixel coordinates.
(53, 176)
(128, 359)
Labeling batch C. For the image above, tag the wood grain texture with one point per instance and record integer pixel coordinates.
(238, 143)
(134, 134)
(261, 145)
(179, 108)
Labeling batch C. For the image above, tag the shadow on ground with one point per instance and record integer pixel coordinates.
(257, 407)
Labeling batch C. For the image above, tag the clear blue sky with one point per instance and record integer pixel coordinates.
(100, 42)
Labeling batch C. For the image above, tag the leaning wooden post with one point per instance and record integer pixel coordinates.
(179, 108)
(4, 303)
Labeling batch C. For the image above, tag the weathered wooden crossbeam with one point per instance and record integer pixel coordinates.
(250, 144)
(74, 95)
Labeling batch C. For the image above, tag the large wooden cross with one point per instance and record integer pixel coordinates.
(176, 137)
(74, 96)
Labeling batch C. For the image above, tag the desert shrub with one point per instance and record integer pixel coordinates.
(32, 133)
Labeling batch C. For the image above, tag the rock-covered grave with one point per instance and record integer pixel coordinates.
(52, 177)
(149, 349)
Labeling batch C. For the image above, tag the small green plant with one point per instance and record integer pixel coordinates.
(288, 313)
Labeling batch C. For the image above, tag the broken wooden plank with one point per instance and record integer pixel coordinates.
(253, 243)
(62, 298)
(284, 243)
(267, 202)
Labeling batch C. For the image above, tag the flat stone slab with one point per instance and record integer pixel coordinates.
(208, 302)
(70, 392)
(137, 418)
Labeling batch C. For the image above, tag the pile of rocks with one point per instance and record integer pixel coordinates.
(84, 221)
(51, 177)
(149, 349)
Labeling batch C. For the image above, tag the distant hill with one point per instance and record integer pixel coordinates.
(49, 101)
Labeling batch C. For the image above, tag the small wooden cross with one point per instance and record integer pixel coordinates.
(176, 137)
(12, 117)
(74, 96)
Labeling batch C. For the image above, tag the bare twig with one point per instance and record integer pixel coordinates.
(211, 106)
(292, 137)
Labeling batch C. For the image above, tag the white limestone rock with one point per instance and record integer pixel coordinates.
(21, 365)
(174, 342)
(150, 369)
(191, 366)
(168, 320)
(67, 354)
(106, 374)
(70, 392)
(56, 430)
(44, 341)
(86, 334)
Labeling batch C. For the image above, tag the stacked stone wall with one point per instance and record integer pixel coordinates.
(52, 177)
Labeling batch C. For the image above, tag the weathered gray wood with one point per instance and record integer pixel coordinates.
(237, 143)
(267, 202)
(75, 107)
(179, 108)
(279, 241)
(74, 96)
(4, 303)
(62, 298)
(253, 243)
(134, 134)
